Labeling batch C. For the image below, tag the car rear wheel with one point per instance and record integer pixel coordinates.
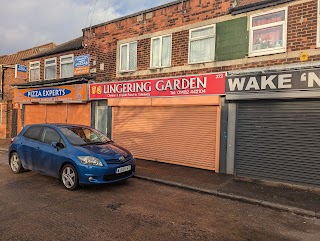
(15, 163)
(69, 177)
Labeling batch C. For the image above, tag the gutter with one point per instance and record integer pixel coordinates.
(256, 6)
(135, 14)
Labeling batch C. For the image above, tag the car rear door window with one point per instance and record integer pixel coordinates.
(50, 135)
(33, 133)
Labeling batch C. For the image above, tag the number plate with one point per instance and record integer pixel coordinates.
(123, 169)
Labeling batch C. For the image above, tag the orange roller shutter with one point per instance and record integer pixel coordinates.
(79, 114)
(35, 114)
(57, 113)
(179, 135)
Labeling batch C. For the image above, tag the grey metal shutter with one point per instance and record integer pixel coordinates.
(279, 140)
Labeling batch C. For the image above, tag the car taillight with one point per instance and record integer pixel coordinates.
(12, 139)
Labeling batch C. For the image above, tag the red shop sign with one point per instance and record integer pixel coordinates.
(206, 84)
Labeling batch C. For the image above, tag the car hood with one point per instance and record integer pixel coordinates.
(110, 152)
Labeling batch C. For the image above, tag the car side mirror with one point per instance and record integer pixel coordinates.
(57, 145)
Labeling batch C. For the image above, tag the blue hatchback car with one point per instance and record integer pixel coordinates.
(76, 154)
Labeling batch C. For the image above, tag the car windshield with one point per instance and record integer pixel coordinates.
(80, 136)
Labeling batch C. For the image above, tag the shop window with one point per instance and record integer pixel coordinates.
(161, 51)
(202, 44)
(50, 68)
(66, 66)
(128, 57)
(268, 33)
(34, 74)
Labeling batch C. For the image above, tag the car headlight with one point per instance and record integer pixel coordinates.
(90, 160)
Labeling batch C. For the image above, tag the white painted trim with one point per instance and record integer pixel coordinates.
(66, 62)
(284, 23)
(48, 65)
(32, 68)
(160, 52)
(128, 57)
(200, 38)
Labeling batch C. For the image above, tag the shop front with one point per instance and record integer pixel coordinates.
(53, 104)
(274, 130)
(173, 120)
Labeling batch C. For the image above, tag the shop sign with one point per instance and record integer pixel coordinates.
(57, 93)
(21, 71)
(82, 64)
(207, 84)
(288, 80)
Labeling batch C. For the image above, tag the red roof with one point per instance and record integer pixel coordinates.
(16, 57)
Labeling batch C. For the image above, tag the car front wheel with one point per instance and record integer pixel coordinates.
(69, 177)
(15, 163)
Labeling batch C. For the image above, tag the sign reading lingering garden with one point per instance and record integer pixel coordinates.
(207, 84)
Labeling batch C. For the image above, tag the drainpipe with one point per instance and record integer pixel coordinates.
(182, 7)
(2, 81)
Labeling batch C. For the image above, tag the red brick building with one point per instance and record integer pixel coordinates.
(184, 47)
(7, 77)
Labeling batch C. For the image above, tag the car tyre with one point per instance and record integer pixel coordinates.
(15, 163)
(69, 177)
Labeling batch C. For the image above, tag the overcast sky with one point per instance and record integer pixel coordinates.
(26, 24)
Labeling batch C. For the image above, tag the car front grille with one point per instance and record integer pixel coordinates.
(116, 161)
(117, 176)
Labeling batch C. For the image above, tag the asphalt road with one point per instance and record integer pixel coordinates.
(37, 207)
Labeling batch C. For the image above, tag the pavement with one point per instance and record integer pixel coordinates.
(283, 197)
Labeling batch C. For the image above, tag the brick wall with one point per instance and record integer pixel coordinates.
(102, 41)
(42, 59)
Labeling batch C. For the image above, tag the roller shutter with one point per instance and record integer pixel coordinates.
(35, 114)
(177, 135)
(79, 114)
(279, 140)
(62, 113)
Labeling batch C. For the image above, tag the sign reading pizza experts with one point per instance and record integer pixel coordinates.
(207, 84)
(60, 93)
(288, 80)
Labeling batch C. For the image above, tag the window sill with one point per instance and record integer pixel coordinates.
(269, 52)
(159, 68)
(127, 72)
(203, 62)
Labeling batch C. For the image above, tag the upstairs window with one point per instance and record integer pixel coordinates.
(34, 74)
(161, 51)
(202, 44)
(66, 66)
(268, 33)
(50, 68)
(128, 57)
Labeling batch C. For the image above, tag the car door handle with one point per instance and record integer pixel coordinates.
(37, 148)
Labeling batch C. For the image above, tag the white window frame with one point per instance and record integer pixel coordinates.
(318, 25)
(48, 65)
(128, 57)
(204, 37)
(284, 23)
(66, 62)
(160, 52)
(31, 68)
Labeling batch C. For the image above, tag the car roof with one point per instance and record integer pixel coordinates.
(58, 125)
